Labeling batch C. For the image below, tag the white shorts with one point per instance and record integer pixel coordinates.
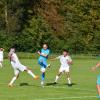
(64, 69)
(43, 69)
(18, 67)
(1, 59)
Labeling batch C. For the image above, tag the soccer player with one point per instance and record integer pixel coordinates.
(98, 79)
(1, 57)
(65, 61)
(42, 61)
(18, 67)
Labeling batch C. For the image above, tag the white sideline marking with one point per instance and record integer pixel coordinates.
(80, 97)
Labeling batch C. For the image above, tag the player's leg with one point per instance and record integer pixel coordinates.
(42, 75)
(67, 70)
(1, 64)
(26, 69)
(31, 73)
(16, 72)
(98, 89)
(98, 86)
(43, 66)
(58, 76)
(44, 63)
(68, 78)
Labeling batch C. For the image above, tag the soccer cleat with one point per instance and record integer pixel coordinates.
(36, 77)
(42, 84)
(49, 65)
(55, 83)
(10, 85)
(69, 85)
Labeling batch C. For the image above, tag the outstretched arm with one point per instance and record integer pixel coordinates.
(97, 66)
(52, 59)
(70, 62)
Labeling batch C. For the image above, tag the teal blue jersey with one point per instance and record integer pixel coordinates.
(47, 51)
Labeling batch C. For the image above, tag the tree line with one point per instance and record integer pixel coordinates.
(63, 24)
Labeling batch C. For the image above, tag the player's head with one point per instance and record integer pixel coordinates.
(45, 46)
(65, 52)
(12, 50)
(1, 49)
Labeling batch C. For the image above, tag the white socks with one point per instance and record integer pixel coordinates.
(69, 81)
(30, 73)
(12, 81)
(57, 77)
(1, 65)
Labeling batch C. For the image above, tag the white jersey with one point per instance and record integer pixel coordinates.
(17, 66)
(1, 55)
(64, 60)
(14, 58)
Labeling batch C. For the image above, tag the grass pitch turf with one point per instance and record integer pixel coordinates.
(26, 88)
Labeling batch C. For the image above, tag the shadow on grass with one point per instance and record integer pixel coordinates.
(53, 84)
(26, 84)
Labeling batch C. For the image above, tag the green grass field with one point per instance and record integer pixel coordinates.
(82, 76)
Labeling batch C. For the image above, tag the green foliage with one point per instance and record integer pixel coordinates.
(67, 24)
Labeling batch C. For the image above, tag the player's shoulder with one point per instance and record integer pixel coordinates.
(1, 51)
(61, 56)
(68, 56)
(13, 54)
(48, 50)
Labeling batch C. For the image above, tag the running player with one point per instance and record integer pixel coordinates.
(17, 66)
(42, 61)
(1, 57)
(98, 79)
(65, 61)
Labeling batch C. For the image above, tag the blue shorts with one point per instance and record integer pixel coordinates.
(42, 63)
(98, 80)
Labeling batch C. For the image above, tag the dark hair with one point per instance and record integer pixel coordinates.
(65, 50)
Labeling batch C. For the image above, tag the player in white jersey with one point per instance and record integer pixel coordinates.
(1, 56)
(65, 61)
(18, 67)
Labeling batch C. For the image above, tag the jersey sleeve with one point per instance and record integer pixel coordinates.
(58, 57)
(47, 52)
(69, 58)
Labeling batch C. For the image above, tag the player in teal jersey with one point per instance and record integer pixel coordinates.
(98, 79)
(42, 61)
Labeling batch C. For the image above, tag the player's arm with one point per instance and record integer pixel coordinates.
(97, 66)
(70, 62)
(11, 58)
(52, 59)
(41, 54)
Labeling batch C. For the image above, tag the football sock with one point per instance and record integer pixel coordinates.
(57, 77)
(12, 81)
(30, 73)
(1, 65)
(43, 76)
(69, 81)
